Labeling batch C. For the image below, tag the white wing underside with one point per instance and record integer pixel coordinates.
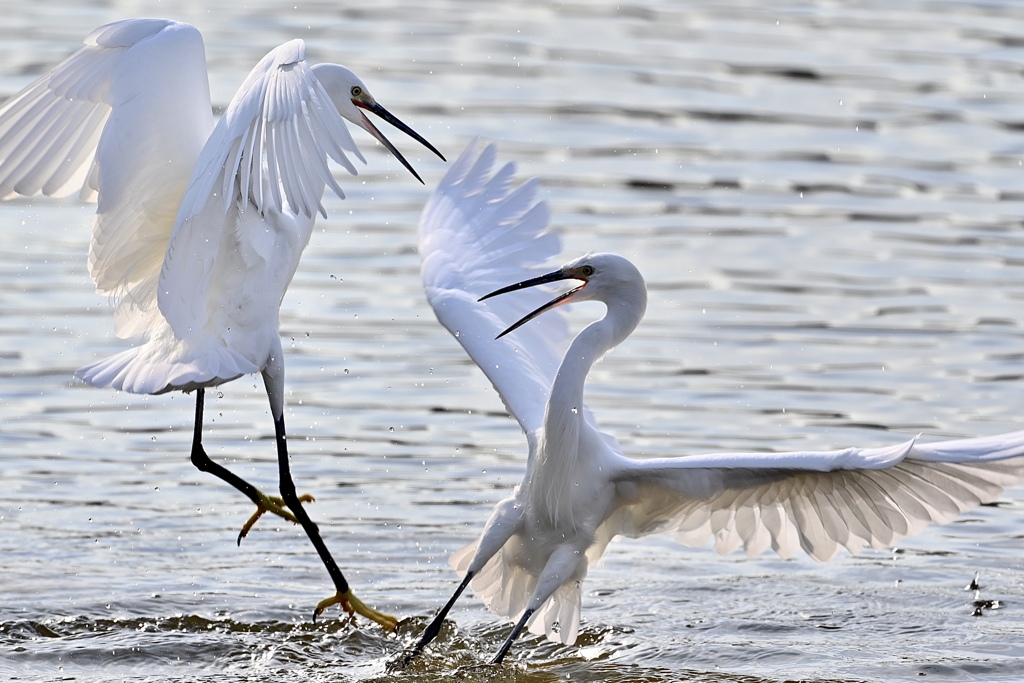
(817, 502)
(476, 236)
(97, 125)
(787, 502)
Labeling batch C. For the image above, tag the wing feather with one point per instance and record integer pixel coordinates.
(813, 539)
(267, 154)
(121, 121)
(814, 501)
(854, 516)
(475, 236)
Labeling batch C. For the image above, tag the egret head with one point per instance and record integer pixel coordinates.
(609, 278)
(351, 97)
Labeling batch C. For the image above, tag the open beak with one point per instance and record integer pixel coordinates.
(554, 276)
(394, 121)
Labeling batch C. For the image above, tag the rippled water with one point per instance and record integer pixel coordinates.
(826, 200)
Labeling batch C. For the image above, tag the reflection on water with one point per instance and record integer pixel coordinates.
(826, 203)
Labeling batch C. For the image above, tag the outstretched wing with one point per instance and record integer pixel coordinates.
(815, 501)
(478, 234)
(122, 121)
(268, 154)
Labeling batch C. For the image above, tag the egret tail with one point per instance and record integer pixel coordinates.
(150, 369)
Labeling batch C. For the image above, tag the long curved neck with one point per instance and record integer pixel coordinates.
(566, 402)
(564, 422)
(599, 337)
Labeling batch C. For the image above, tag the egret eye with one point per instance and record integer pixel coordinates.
(356, 91)
(587, 270)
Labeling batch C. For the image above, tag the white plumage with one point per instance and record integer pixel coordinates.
(198, 229)
(199, 226)
(89, 126)
(580, 490)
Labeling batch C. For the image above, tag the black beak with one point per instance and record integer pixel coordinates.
(397, 123)
(533, 282)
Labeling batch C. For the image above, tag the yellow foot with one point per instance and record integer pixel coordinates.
(271, 504)
(353, 605)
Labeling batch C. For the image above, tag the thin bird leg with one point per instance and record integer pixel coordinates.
(202, 461)
(565, 560)
(434, 627)
(344, 597)
(512, 637)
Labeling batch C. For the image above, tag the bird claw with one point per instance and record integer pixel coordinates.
(353, 606)
(273, 504)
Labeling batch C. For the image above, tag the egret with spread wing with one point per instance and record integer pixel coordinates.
(580, 490)
(199, 227)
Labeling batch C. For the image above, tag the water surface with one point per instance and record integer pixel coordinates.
(826, 202)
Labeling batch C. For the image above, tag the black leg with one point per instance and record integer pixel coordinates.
(512, 637)
(202, 461)
(291, 499)
(434, 627)
(273, 377)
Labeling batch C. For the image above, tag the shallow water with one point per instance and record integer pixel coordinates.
(826, 201)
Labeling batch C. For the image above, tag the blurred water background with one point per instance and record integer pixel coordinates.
(826, 200)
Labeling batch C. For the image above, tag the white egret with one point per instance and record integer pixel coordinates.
(199, 227)
(580, 490)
